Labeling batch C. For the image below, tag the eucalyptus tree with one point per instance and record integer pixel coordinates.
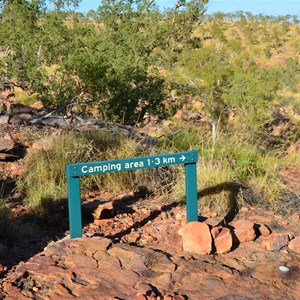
(133, 41)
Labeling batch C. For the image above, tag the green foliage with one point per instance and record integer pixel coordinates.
(109, 56)
(130, 58)
(127, 56)
(23, 98)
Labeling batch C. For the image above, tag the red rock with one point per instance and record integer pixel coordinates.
(16, 170)
(178, 297)
(180, 217)
(44, 143)
(223, 242)
(244, 209)
(163, 215)
(294, 244)
(147, 239)
(215, 231)
(104, 211)
(102, 222)
(296, 217)
(140, 297)
(151, 298)
(167, 297)
(211, 222)
(6, 142)
(291, 177)
(99, 209)
(196, 238)
(263, 229)
(244, 231)
(92, 194)
(262, 219)
(37, 105)
(133, 237)
(283, 222)
(276, 241)
(13, 292)
(284, 251)
(143, 288)
(2, 269)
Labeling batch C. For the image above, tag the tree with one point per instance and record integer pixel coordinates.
(114, 56)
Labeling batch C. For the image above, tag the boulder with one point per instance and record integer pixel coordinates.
(104, 211)
(211, 222)
(215, 231)
(276, 240)
(140, 297)
(244, 231)
(294, 244)
(196, 238)
(178, 297)
(263, 229)
(223, 241)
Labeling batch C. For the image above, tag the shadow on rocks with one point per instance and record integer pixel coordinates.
(124, 206)
(28, 232)
(234, 190)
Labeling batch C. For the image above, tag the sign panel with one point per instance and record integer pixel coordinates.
(109, 166)
(75, 171)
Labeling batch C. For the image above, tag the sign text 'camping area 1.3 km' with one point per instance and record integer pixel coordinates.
(109, 166)
(75, 171)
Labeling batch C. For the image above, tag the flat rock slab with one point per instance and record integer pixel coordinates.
(94, 268)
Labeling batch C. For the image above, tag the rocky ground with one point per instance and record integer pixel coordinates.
(139, 247)
(142, 248)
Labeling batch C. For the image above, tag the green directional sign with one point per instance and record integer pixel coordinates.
(109, 166)
(75, 171)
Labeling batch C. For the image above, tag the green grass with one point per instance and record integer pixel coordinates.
(45, 176)
(235, 170)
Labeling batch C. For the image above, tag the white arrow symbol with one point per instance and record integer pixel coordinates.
(182, 157)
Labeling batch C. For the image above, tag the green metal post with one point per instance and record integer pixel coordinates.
(191, 192)
(74, 207)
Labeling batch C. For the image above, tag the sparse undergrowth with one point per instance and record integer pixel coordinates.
(236, 170)
(45, 176)
(232, 171)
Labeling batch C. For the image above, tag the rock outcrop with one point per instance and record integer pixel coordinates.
(95, 268)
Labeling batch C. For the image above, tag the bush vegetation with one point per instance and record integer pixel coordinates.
(132, 59)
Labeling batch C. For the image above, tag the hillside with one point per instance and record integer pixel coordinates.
(128, 81)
